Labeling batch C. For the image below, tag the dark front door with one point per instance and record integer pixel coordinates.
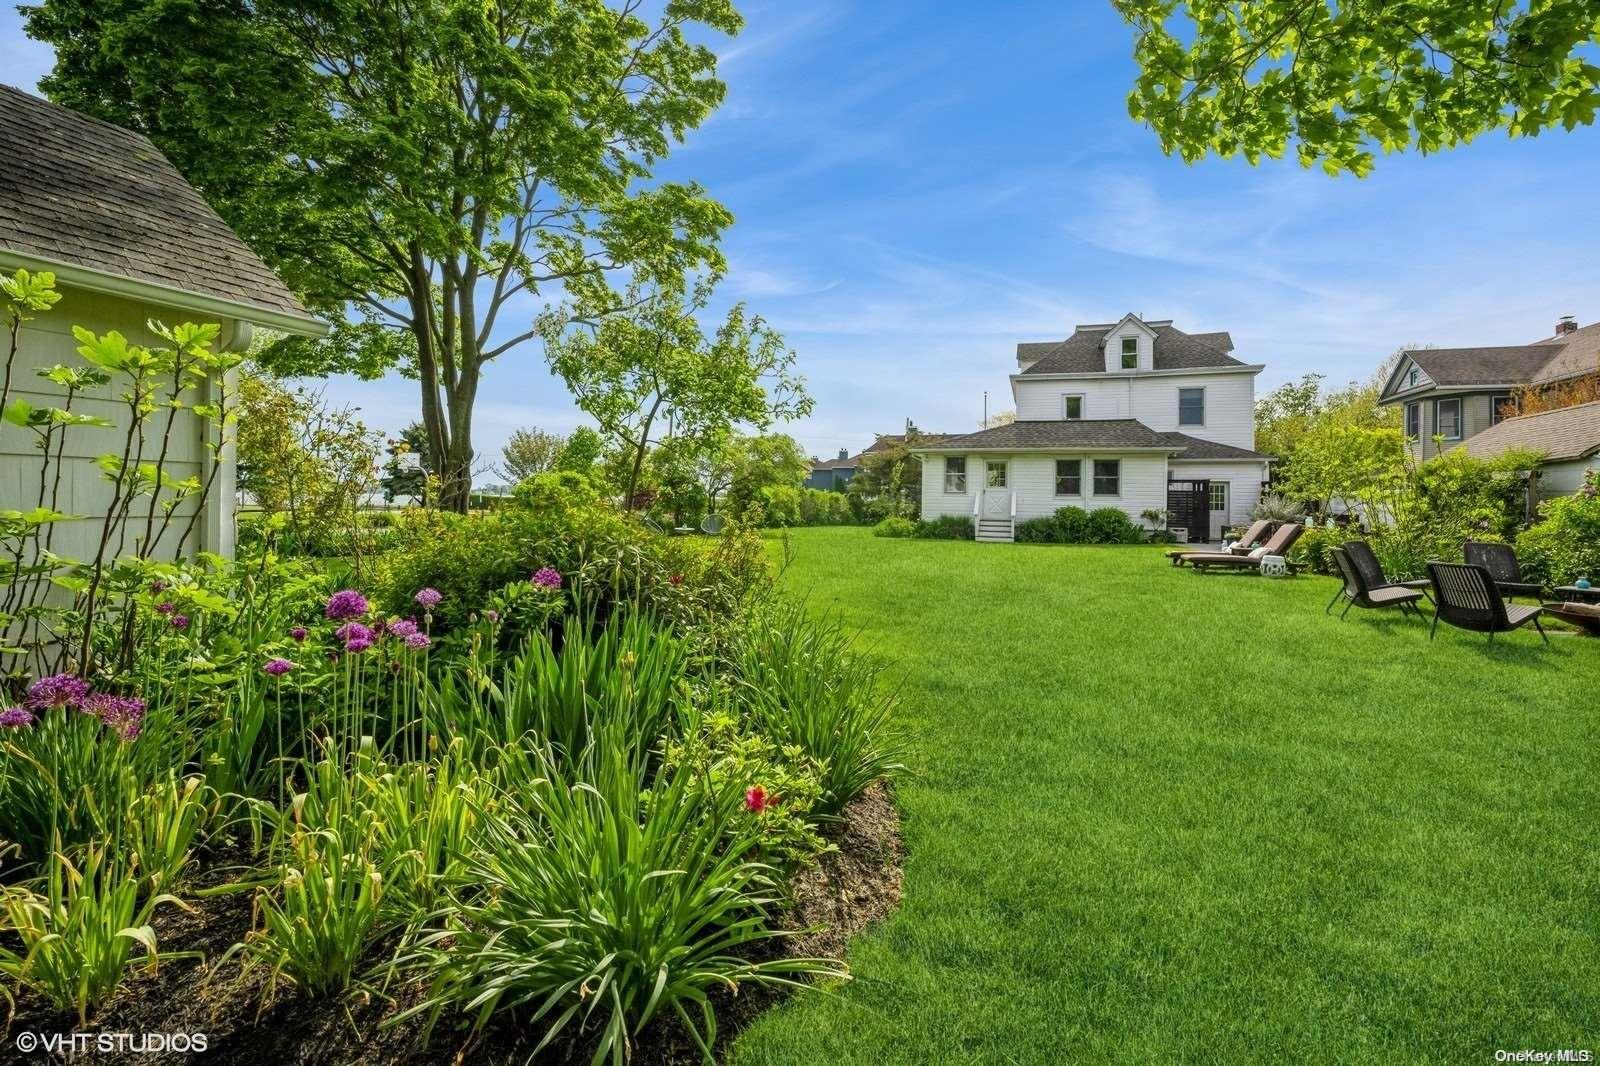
(1189, 504)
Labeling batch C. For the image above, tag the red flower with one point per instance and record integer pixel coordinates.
(676, 579)
(757, 799)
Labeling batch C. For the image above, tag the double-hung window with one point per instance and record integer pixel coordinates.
(1108, 477)
(1414, 420)
(1192, 407)
(1501, 407)
(1069, 477)
(1130, 353)
(955, 475)
(1448, 419)
(1072, 407)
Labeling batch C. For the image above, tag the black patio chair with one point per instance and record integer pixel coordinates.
(1362, 593)
(1501, 562)
(1465, 595)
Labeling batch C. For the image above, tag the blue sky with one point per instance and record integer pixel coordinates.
(919, 186)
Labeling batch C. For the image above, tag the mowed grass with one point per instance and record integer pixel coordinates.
(1158, 814)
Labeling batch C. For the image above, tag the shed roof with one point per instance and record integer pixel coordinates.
(1562, 434)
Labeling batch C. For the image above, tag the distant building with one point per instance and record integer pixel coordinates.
(1454, 394)
(833, 475)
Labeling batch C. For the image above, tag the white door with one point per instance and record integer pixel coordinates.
(996, 489)
(1220, 502)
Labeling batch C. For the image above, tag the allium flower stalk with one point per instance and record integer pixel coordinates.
(278, 667)
(347, 603)
(547, 577)
(428, 598)
(356, 636)
(403, 628)
(166, 607)
(123, 715)
(418, 641)
(179, 621)
(298, 634)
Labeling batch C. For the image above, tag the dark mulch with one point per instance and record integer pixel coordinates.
(842, 894)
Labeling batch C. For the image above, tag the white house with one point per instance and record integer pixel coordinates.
(1136, 415)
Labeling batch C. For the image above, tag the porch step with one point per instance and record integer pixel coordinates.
(995, 530)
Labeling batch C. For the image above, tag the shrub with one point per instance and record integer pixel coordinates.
(781, 503)
(1565, 545)
(1108, 525)
(1071, 525)
(1315, 547)
(555, 490)
(946, 527)
(1038, 531)
(895, 527)
(819, 507)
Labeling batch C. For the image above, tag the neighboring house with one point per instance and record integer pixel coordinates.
(128, 241)
(1568, 437)
(832, 475)
(835, 474)
(1450, 395)
(1136, 415)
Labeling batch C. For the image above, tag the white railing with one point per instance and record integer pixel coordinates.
(1013, 508)
(977, 503)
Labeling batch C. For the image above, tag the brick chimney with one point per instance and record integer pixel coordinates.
(1568, 324)
(844, 453)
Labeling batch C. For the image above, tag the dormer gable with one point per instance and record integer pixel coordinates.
(1407, 376)
(1129, 345)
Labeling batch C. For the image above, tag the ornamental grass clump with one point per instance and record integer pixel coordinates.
(592, 906)
(71, 936)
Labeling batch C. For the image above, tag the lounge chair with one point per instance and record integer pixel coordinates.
(1278, 544)
(1501, 562)
(1361, 592)
(1586, 616)
(1465, 596)
(1251, 540)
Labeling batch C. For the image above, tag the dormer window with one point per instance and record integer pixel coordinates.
(1130, 353)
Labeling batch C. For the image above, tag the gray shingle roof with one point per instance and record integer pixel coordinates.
(1195, 448)
(80, 191)
(1084, 433)
(1580, 354)
(1083, 352)
(1565, 433)
(1451, 367)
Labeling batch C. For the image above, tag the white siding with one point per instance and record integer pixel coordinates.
(1244, 481)
(1152, 399)
(1563, 479)
(85, 492)
(1032, 477)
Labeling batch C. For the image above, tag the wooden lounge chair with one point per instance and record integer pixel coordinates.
(1361, 592)
(1251, 540)
(1501, 562)
(1465, 596)
(1278, 544)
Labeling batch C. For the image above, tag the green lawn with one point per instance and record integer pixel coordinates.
(1163, 814)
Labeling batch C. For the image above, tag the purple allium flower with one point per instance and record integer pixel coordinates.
(547, 577)
(356, 636)
(15, 718)
(166, 607)
(278, 667)
(418, 641)
(158, 586)
(298, 633)
(60, 690)
(403, 628)
(347, 603)
(123, 715)
(179, 621)
(492, 615)
(429, 598)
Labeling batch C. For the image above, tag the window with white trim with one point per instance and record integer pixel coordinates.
(1072, 406)
(1411, 379)
(955, 475)
(1130, 353)
(1413, 420)
(1219, 495)
(1447, 418)
(1108, 477)
(1192, 407)
(1069, 477)
(1501, 407)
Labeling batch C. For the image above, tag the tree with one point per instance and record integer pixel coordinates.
(889, 482)
(581, 453)
(651, 367)
(530, 451)
(424, 163)
(773, 460)
(999, 418)
(403, 475)
(1294, 411)
(1340, 79)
